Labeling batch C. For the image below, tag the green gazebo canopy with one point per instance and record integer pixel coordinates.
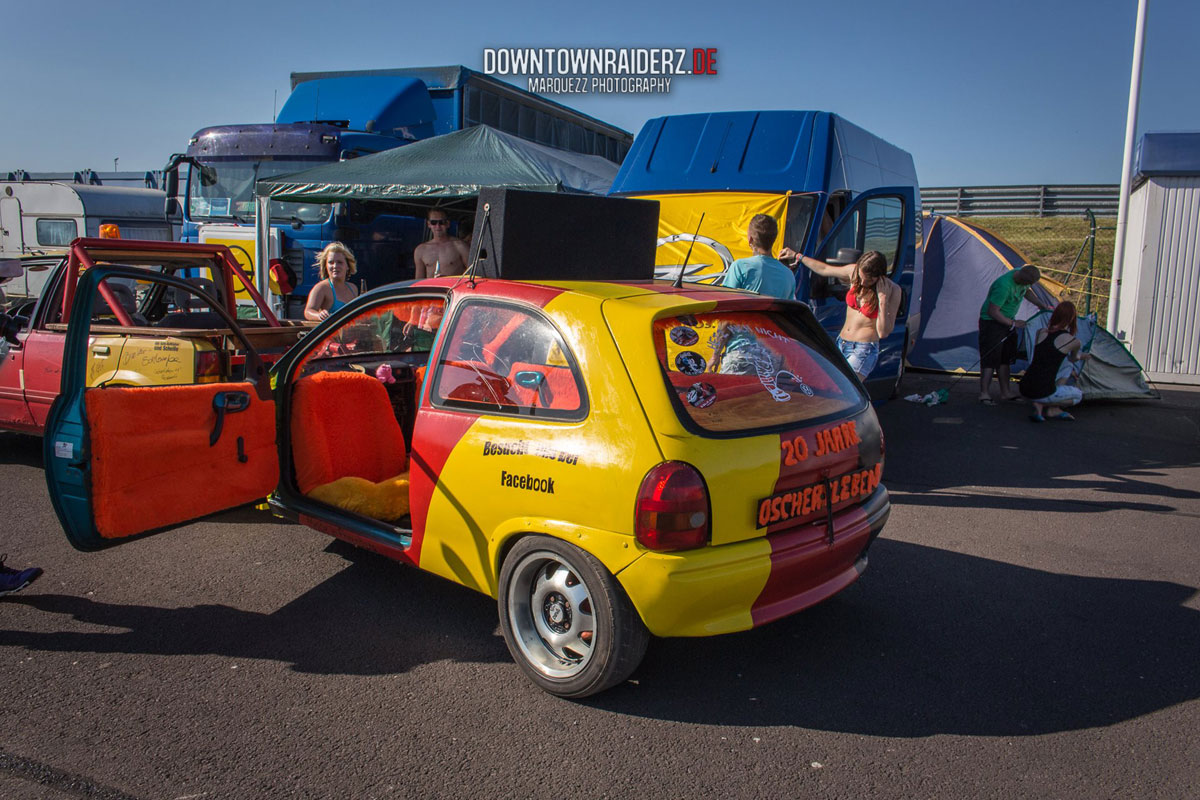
(454, 165)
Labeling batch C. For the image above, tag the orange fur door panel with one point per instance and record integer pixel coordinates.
(151, 462)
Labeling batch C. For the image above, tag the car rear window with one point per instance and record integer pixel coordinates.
(746, 370)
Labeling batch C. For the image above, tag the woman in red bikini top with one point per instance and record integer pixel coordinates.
(871, 305)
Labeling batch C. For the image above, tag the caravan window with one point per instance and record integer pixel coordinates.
(55, 232)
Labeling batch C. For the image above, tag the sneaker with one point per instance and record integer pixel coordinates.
(12, 580)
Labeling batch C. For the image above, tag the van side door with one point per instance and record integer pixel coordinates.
(882, 219)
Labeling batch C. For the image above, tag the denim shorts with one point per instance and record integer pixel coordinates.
(861, 356)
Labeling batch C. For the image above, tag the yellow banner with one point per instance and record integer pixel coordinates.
(722, 236)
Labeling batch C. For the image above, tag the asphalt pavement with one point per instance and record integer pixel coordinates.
(1029, 626)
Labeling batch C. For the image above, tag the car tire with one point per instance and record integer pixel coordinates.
(567, 622)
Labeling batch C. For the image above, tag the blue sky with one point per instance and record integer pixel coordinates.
(979, 92)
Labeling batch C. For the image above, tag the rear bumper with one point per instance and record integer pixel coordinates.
(738, 586)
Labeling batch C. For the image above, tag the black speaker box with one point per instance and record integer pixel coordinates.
(523, 235)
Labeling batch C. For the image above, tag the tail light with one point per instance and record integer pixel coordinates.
(672, 511)
(208, 366)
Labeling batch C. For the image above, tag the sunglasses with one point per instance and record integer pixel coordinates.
(439, 222)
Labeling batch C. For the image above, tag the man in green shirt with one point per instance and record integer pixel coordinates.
(998, 326)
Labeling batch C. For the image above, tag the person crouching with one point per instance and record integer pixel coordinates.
(1041, 382)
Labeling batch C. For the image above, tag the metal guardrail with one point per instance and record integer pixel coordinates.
(1024, 201)
(152, 179)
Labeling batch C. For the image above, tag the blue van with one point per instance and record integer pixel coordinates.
(829, 183)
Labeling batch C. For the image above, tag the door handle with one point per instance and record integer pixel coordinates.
(226, 403)
(101, 350)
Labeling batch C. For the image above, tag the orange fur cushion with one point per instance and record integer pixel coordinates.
(386, 500)
(342, 425)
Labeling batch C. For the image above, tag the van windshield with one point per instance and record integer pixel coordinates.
(747, 370)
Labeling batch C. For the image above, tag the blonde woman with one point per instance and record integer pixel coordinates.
(336, 264)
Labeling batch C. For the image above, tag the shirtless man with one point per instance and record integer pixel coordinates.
(443, 254)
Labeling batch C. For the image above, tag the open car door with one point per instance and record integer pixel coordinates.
(127, 460)
(886, 219)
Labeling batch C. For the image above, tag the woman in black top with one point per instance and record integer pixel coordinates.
(1040, 384)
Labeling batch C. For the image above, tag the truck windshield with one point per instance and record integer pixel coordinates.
(230, 195)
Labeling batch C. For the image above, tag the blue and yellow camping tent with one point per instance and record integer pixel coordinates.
(961, 261)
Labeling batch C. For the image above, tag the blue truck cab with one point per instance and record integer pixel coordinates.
(332, 116)
(829, 183)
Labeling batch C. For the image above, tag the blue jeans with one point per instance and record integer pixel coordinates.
(861, 356)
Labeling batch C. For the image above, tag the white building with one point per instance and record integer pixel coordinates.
(1159, 313)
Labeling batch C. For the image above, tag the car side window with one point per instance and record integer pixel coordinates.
(391, 330)
(507, 359)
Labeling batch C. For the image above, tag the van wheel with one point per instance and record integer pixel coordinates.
(566, 620)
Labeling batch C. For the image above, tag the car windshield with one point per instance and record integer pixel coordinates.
(226, 191)
(742, 371)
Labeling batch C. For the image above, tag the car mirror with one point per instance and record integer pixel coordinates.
(529, 379)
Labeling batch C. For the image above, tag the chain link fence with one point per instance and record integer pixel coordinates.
(1076, 251)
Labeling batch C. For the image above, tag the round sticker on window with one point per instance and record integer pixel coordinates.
(702, 395)
(689, 362)
(684, 336)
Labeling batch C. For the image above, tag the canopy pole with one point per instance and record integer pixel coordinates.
(1135, 88)
(262, 251)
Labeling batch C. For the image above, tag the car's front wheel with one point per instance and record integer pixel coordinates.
(566, 620)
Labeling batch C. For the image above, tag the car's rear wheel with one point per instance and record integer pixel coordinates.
(566, 620)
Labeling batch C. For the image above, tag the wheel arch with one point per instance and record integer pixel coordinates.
(614, 550)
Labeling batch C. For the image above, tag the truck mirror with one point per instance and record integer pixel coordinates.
(172, 207)
(208, 175)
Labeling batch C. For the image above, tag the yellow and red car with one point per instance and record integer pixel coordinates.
(608, 460)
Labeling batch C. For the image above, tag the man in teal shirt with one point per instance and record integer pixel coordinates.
(761, 272)
(998, 326)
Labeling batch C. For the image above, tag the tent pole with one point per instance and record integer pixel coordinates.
(1135, 87)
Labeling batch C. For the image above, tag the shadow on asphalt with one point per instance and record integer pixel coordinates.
(937, 643)
(1113, 449)
(21, 449)
(366, 620)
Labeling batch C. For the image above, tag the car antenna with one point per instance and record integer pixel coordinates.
(485, 224)
(679, 278)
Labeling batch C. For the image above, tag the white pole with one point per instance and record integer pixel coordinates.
(1135, 88)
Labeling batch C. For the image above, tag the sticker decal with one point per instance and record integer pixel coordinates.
(684, 336)
(530, 483)
(689, 362)
(702, 395)
(64, 449)
(794, 382)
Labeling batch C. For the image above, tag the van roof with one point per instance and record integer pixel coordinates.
(760, 151)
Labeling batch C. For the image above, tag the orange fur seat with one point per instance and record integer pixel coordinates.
(558, 392)
(342, 426)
